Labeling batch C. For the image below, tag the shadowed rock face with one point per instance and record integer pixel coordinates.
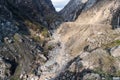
(73, 9)
(41, 11)
(33, 9)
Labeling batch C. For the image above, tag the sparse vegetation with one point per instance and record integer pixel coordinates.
(37, 28)
(50, 47)
(118, 73)
(112, 44)
(16, 37)
(37, 38)
(45, 32)
(104, 74)
(33, 25)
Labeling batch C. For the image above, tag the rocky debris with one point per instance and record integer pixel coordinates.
(97, 58)
(90, 66)
(4, 69)
(29, 77)
(8, 40)
(43, 57)
(57, 60)
(27, 55)
(92, 76)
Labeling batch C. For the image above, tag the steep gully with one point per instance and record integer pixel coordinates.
(58, 60)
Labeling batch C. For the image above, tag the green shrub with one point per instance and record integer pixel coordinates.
(17, 37)
(118, 73)
(50, 47)
(33, 25)
(45, 32)
(112, 44)
(37, 38)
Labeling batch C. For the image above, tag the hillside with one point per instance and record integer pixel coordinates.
(89, 46)
(81, 42)
(25, 28)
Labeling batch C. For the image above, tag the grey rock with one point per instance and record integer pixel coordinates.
(73, 9)
(4, 69)
(115, 51)
(92, 76)
(43, 57)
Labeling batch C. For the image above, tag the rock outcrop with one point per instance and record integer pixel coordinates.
(73, 9)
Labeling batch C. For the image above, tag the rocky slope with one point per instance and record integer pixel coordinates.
(35, 11)
(73, 9)
(89, 46)
(24, 33)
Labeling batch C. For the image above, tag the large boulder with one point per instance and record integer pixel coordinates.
(115, 51)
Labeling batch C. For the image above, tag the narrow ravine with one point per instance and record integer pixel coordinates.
(57, 62)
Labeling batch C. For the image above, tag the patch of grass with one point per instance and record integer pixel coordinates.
(37, 28)
(33, 25)
(45, 32)
(17, 37)
(117, 41)
(50, 47)
(118, 73)
(37, 38)
(112, 44)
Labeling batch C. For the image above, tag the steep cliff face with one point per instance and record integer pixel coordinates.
(34, 10)
(73, 9)
(39, 11)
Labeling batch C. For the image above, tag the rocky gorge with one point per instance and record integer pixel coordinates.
(81, 42)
